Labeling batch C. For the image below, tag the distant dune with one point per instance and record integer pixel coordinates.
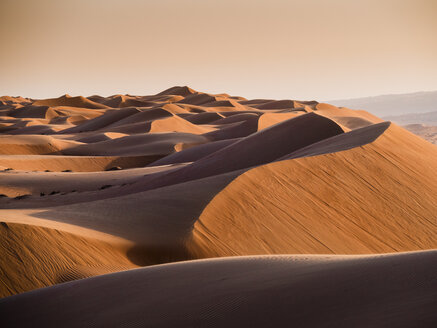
(427, 132)
(418, 108)
(429, 118)
(422, 124)
(128, 184)
(395, 104)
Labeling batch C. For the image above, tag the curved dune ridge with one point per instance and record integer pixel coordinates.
(96, 185)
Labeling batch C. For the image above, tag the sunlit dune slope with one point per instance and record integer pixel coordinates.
(371, 199)
(34, 257)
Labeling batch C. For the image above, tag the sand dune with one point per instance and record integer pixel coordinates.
(279, 104)
(30, 111)
(427, 132)
(67, 100)
(103, 121)
(352, 139)
(43, 256)
(180, 91)
(146, 115)
(324, 207)
(186, 175)
(97, 137)
(307, 291)
(203, 118)
(16, 183)
(262, 147)
(33, 145)
(137, 144)
(74, 163)
(195, 153)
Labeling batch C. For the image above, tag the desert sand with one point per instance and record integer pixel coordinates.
(277, 212)
(261, 291)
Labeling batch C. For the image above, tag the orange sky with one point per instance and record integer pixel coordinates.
(306, 49)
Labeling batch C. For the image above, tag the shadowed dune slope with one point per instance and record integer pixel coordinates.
(355, 138)
(307, 291)
(259, 148)
(105, 120)
(30, 111)
(146, 115)
(73, 163)
(135, 145)
(195, 153)
(42, 184)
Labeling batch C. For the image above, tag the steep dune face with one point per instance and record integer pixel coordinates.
(372, 199)
(305, 291)
(184, 175)
(352, 139)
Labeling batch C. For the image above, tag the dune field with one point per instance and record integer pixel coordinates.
(192, 209)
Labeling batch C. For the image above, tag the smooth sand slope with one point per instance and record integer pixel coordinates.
(95, 185)
(275, 291)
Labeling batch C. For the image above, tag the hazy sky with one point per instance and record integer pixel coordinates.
(303, 49)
